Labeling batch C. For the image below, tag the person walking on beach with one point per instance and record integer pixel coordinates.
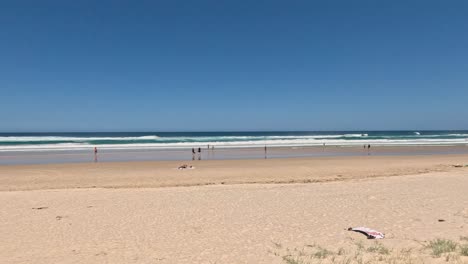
(265, 152)
(193, 154)
(199, 153)
(95, 154)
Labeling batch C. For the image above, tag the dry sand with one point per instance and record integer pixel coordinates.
(242, 223)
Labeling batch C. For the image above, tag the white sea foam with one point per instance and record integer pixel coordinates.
(58, 138)
(355, 135)
(288, 142)
(45, 143)
(12, 139)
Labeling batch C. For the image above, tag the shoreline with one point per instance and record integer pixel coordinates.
(156, 174)
(105, 155)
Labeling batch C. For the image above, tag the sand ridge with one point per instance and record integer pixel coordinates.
(166, 174)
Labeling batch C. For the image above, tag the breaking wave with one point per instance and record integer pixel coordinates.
(71, 141)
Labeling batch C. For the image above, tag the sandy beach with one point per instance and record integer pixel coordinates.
(234, 132)
(233, 211)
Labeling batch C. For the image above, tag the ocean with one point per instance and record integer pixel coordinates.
(40, 142)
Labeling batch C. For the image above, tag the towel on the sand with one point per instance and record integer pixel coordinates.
(370, 233)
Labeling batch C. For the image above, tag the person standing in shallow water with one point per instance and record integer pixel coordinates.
(199, 153)
(193, 154)
(95, 154)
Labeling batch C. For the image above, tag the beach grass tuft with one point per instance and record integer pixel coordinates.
(379, 249)
(464, 250)
(293, 260)
(441, 246)
(322, 253)
(359, 245)
(369, 253)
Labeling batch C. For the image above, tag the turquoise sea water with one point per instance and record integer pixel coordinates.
(184, 140)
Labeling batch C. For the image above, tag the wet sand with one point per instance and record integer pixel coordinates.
(108, 155)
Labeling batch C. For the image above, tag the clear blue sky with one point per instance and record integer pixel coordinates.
(233, 65)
